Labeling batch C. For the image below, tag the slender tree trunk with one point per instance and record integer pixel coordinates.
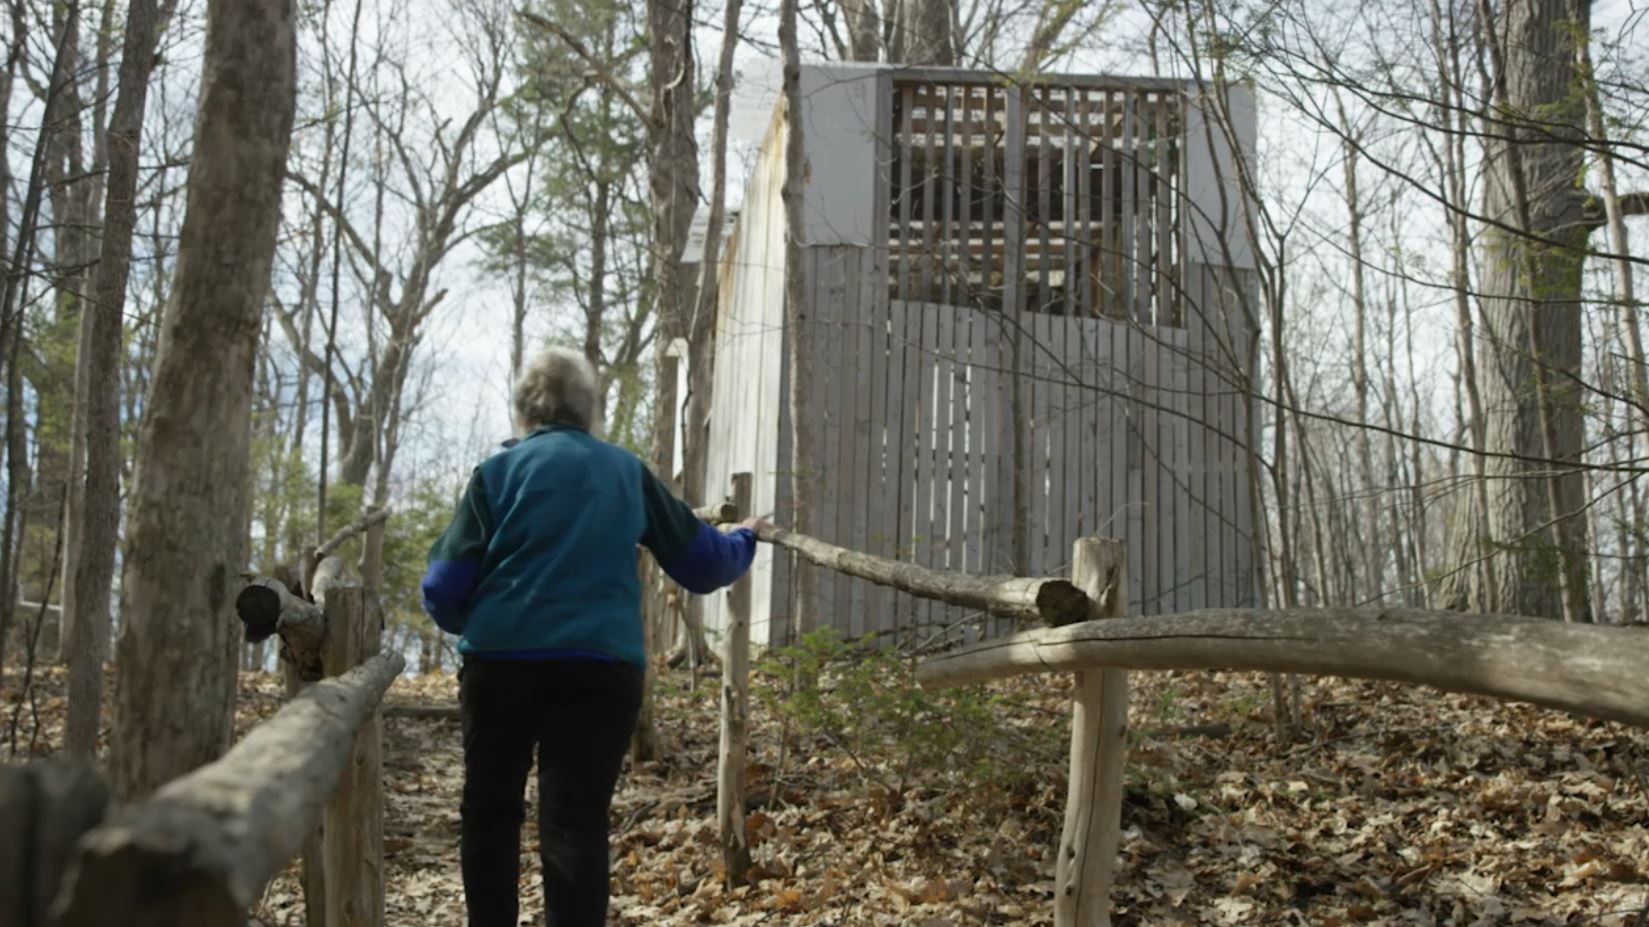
(798, 321)
(1371, 546)
(102, 319)
(176, 686)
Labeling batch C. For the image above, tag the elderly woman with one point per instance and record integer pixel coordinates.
(537, 572)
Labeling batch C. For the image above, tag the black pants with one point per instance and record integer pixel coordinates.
(580, 715)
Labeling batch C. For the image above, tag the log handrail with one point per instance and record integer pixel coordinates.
(1593, 670)
(203, 847)
(1054, 601)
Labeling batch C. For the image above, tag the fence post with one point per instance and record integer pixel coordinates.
(352, 836)
(1099, 722)
(312, 873)
(735, 704)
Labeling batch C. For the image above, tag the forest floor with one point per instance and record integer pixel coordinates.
(1403, 806)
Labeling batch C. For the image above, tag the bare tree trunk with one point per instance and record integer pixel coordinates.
(175, 689)
(864, 29)
(101, 318)
(1371, 547)
(925, 26)
(1531, 338)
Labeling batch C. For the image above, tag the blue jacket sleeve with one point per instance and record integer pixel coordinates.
(455, 559)
(713, 559)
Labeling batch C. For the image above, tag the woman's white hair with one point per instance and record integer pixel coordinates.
(558, 387)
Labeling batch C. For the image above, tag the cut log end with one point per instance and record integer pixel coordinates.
(1060, 603)
(721, 513)
(259, 609)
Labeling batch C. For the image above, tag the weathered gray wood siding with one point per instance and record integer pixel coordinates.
(1022, 302)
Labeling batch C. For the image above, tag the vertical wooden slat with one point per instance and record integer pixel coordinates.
(1217, 286)
(947, 198)
(991, 187)
(1151, 467)
(1196, 518)
(825, 285)
(1167, 313)
(1122, 439)
(1073, 472)
(965, 411)
(1140, 153)
(898, 493)
(1108, 284)
(874, 340)
(1125, 222)
(1015, 432)
(929, 514)
(907, 245)
(1044, 148)
(931, 121)
(981, 432)
(1046, 482)
(849, 499)
(1071, 141)
(1084, 270)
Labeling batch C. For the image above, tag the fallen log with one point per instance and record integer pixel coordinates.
(1593, 670)
(202, 849)
(1056, 602)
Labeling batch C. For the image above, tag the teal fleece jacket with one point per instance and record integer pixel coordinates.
(539, 561)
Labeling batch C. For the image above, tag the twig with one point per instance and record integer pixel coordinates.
(1304, 749)
(359, 525)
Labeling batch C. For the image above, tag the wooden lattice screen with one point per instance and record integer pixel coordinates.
(1058, 199)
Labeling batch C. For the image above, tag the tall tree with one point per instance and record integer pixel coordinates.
(187, 546)
(1537, 235)
(88, 609)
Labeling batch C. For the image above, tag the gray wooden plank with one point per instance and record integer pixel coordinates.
(1167, 303)
(907, 150)
(823, 408)
(1151, 467)
(930, 432)
(981, 401)
(1074, 472)
(1015, 429)
(928, 266)
(850, 461)
(1042, 135)
(1084, 269)
(898, 493)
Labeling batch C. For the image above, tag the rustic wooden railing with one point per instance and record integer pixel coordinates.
(199, 852)
(1591, 670)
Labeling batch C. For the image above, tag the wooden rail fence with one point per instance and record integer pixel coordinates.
(199, 852)
(1591, 670)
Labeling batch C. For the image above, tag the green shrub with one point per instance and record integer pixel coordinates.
(864, 701)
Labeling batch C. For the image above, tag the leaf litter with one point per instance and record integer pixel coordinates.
(1403, 806)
